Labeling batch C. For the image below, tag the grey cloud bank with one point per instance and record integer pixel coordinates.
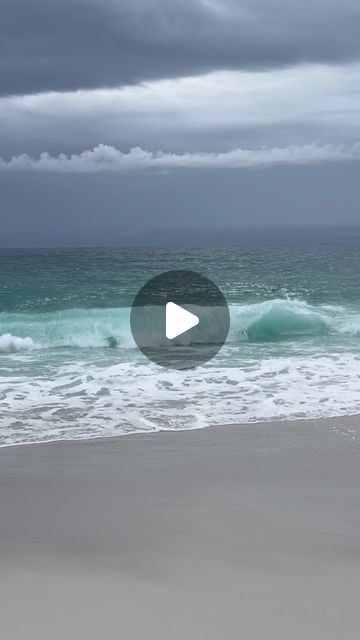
(55, 209)
(215, 112)
(126, 119)
(68, 44)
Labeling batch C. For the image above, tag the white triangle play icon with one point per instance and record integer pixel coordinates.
(178, 320)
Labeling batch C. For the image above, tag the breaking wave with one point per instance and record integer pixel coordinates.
(272, 320)
(275, 320)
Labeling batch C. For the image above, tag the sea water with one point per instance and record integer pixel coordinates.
(69, 368)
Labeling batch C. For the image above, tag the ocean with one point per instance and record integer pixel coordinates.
(69, 368)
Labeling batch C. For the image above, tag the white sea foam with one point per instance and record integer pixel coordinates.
(84, 399)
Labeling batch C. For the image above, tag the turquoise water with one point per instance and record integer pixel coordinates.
(69, 367)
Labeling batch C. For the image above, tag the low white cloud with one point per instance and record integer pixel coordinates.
(107, 158)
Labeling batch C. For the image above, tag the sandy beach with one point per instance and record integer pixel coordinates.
(234, 532)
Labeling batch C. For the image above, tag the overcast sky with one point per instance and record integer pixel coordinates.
(123, 116)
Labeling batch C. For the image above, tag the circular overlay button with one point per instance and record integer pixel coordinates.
(180, 319)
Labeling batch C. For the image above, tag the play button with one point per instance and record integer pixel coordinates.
(180, 319)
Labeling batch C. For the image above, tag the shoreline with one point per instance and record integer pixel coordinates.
(248, 531)
(238, 425)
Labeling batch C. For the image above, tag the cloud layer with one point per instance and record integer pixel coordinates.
(217, 86)
(213, 112)
(70, 44)
(104, 158)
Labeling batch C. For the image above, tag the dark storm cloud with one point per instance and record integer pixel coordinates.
(68, 44)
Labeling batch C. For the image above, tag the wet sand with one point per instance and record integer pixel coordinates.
(230, 532)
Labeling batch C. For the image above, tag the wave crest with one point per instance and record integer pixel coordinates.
(275, 320)
(12, 344)
(272, 320)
